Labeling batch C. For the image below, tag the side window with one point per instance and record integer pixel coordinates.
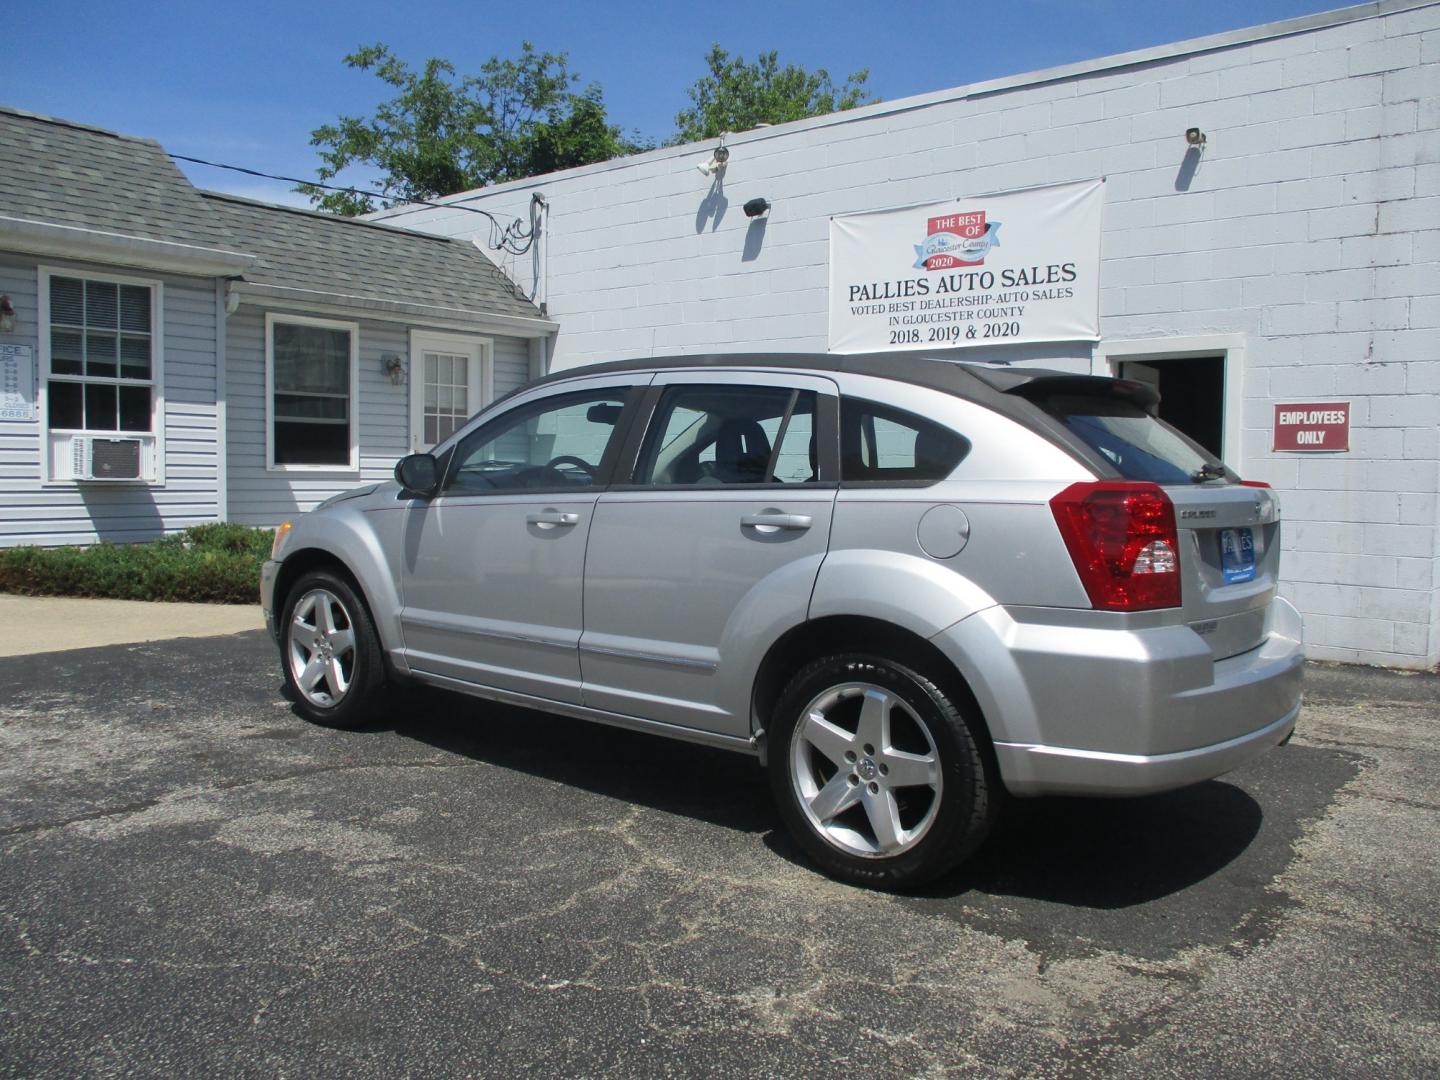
(312, 382)
(102, 355)
(555, 443)
(710, 435)
(886, 445)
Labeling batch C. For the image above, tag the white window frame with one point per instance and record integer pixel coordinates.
(482, 373)
(1230, 347)
(274, 318)
(153, 441)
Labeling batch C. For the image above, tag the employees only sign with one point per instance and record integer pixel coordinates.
(991, 270)
(1323, 425)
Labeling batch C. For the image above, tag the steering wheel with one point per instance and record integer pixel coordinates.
(572, 461)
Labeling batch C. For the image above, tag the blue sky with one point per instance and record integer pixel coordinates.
(246, 83)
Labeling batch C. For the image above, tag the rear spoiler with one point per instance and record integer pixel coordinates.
(1036, 386)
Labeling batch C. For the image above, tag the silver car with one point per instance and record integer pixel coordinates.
(909, 587)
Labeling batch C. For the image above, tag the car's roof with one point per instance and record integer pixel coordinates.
(967, 379)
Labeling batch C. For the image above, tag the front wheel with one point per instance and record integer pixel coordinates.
(877, 772)
(331, 653)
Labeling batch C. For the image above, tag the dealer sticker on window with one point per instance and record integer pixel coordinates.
(1237, 555)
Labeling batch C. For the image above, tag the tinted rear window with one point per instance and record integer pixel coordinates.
(879, 444)
(1140, 446)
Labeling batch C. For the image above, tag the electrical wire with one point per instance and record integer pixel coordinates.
(514, 238)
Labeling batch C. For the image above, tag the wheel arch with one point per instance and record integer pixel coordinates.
(302, 561)
(833, 634)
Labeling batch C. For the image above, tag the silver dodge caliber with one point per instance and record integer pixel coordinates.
(908, 586)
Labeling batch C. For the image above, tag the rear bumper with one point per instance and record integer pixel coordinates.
(1096, 710)
(1058, 770)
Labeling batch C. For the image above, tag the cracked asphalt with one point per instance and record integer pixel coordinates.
(193, 881)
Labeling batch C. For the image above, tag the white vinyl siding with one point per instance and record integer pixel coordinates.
(185, 491)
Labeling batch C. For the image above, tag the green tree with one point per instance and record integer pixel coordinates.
(442, 133)
(735, 96)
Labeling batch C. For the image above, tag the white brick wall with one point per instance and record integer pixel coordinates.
(1311, 228)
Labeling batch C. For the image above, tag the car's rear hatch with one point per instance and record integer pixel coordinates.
(1229, 532)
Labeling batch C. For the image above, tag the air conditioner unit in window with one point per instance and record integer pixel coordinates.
(98, 458)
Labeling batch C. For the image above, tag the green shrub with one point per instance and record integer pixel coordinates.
(213, 564)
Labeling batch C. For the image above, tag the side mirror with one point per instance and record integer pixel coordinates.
(419, 475)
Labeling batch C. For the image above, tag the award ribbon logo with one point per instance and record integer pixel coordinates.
(957, 240)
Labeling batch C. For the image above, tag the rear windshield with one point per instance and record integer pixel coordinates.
(1140, 446)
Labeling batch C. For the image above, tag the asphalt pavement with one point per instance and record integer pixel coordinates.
(193, 881)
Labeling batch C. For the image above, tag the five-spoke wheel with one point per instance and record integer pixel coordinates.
(332, 656)
(877, 772)
(322, 647)
(866, 770)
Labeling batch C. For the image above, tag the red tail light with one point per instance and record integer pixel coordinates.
(1254, 483)
(1123, 541)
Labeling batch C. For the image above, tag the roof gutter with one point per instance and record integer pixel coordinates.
(75, 242)
(395, 310)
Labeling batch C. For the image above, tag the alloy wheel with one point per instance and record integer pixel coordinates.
(321, 650)
(866, 771)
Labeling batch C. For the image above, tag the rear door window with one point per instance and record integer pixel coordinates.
(709, 435)
(880, 444)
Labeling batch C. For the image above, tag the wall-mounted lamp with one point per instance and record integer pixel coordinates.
(1194, 137)
(757, 208)
(7, 316)
(393, 366)
(718, 160)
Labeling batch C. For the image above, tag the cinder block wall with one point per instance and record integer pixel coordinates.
(1310, 226)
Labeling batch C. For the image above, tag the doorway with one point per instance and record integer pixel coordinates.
(450, 381)
(1192, 394)
(1200, 379)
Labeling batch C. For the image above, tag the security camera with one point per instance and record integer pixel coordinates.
(757, 208)
(1194, 136)
(717, 161)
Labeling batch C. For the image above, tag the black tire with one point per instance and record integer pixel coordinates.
(362, 667)
(941, 822)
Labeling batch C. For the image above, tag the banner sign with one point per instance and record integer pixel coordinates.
(984, 271)
(1323, 425)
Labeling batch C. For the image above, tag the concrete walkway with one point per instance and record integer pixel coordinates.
(40, 624)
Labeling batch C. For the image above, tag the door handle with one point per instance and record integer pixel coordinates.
(777, 521)
(552, 517)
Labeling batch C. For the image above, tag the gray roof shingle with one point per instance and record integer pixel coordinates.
(303, 249)
(59, 172)
(64, 173)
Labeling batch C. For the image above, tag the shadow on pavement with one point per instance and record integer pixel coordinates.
(715, 786)
(1095, 853)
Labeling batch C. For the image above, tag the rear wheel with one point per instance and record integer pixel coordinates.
(331, 653)
(877, 772)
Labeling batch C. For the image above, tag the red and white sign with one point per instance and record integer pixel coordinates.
(1319, 425)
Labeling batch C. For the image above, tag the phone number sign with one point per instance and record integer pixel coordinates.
(17, 383)
(1312, 426)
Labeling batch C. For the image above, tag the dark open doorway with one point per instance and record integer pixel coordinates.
(1192, 394)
